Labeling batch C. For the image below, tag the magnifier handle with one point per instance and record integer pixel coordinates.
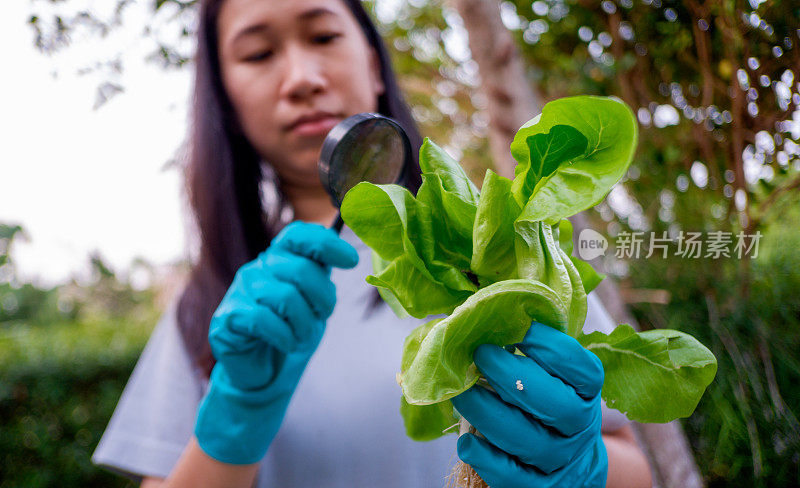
(337, 225)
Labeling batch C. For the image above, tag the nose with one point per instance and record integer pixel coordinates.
(303, 74)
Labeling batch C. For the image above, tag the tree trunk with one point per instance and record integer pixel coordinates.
(512, 101)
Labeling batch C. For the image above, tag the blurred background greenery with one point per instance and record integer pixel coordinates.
(714, 86)
(65, 355)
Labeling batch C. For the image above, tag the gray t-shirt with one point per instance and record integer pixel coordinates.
(342, 427)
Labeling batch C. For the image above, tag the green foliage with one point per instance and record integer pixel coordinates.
(674, 365)
(65, 354)
(721, 66)
(545, 152)
(745, 427)
(424, 263)
(580, 173)
(19, 300)
(104, 295)
(540, 258)
(492, 258)
(59, 385)
(589, 277)
(427, 422)
(438, 365)
(654, 376)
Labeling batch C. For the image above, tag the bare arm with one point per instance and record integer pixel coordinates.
(196, 469)
(627, 465)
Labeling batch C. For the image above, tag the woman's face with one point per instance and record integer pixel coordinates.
(286, 59)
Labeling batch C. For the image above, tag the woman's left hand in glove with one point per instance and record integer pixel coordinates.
(541, 424)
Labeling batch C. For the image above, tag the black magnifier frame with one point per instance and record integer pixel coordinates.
(341, 147)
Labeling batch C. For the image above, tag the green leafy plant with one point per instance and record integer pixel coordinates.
(495, 260)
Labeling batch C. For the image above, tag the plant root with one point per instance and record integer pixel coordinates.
(463, 476)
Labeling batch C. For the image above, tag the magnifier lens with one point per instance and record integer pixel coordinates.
(371, 151)
(363, 147)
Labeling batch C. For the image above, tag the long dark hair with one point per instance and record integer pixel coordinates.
(224, 178)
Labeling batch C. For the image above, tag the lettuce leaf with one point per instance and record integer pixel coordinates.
(652, 376)
(589, 276)
(398, 229)
(427, 422)
(568, 185)
(493, 257)
(437, 356)
(540, 258)
(495, 260)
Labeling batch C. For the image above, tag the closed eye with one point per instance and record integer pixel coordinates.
(263, 55)
(325, 39)
(260, 56)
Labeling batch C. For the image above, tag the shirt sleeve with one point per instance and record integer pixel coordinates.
(598, 319)
(154, 418)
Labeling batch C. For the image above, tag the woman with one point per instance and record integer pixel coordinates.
(292, 350)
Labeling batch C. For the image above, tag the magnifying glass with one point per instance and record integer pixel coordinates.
(363, 147)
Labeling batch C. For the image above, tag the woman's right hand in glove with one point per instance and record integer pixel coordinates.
(263, 334)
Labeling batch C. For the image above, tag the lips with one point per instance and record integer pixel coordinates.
(314, 123)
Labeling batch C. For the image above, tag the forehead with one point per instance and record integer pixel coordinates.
(238, 15)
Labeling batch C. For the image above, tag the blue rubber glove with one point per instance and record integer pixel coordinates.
(263, 334)
(542, 422)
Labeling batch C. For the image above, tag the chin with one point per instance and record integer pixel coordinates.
(303, 174)
(301, 166)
